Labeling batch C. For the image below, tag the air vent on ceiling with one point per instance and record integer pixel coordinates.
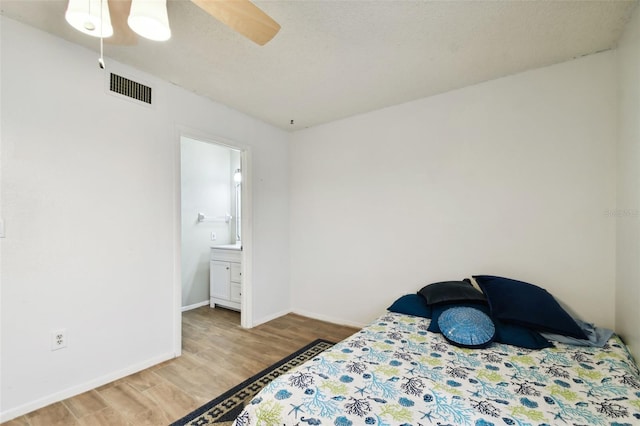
(130, 88)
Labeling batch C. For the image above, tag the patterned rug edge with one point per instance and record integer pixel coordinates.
(317, 346)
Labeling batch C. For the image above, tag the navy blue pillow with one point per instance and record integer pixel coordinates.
(411, 304)
(525, 304)
(509, 334)
(451, 292)
(466, 327)
(515, 335)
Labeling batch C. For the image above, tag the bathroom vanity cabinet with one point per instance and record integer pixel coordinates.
(225, 277)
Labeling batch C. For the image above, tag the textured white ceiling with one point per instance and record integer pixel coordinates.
(334, 59)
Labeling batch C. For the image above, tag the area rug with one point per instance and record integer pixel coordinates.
(223, 410)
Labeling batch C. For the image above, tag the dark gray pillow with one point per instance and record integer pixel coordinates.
(451, 292)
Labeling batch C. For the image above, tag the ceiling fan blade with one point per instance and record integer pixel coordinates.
(242, 16)
(122, 34)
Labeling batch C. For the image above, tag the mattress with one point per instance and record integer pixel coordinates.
(395, 372)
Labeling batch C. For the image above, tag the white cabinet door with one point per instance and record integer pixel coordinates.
(236, 292)
(236, 272)
(220, 280)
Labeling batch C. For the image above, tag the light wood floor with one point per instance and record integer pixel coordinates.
(217, 355)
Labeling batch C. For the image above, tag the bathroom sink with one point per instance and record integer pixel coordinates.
(236, 246)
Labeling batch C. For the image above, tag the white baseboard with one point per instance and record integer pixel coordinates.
(314, 315)
(195, 305)
(270, 317)
(321, 317)
(12, 413)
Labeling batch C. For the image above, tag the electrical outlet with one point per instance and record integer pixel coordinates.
(213, 236)
(58, 339)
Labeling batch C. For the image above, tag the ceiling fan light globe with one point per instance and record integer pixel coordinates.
(149, 19)
(149, 28)
(90, 17)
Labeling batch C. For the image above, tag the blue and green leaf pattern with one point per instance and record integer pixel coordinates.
(393, 372)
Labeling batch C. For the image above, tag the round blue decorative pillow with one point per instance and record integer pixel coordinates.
(467, 327)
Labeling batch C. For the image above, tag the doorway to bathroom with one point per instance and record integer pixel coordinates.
(211, 205)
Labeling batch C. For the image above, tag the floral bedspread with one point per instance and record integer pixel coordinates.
(394, 372)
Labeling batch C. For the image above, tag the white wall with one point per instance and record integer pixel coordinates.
(510, 177)
(627, 214)
(205, 188)
(90, 193)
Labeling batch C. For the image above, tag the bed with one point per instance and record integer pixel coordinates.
(397, 372)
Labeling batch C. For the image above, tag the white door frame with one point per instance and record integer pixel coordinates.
(246, 314)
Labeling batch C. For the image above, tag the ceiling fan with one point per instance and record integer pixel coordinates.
(119, 21)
